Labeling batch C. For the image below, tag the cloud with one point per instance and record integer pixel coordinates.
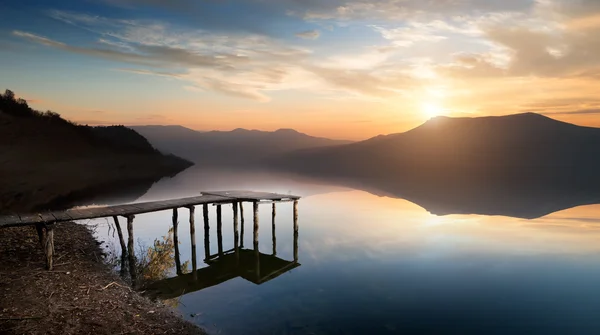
(309, 34)
(543, 43)
(407, 36)
(153, 73)
(240, 65)
(395, 10)
(39, 39)
(150, 55)
(365, 82)
(558, 103)
(152, 117)
(172, 4)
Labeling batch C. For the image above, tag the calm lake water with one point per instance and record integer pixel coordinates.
(379, 265)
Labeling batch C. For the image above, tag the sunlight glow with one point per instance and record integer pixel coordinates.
(430, 109)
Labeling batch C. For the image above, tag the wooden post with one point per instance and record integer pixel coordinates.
(123, 246)
(295, 215)
(193, 239)
(219, 230)
(130, 249)
(176, 241)
(242, 223)
(121, 238)
(255, 239)
(49, 246)
(40, 231)
(274, 237)
(236, 236)
(296, 231)
(206, 232)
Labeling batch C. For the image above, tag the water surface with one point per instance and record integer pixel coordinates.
(378, 265)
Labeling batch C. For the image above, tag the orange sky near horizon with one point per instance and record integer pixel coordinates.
(339, 120)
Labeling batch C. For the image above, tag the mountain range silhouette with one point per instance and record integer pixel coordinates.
(239, 147)
(523, 165)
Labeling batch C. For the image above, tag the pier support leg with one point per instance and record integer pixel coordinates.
(120, 233)
(130, 250)
(49, 246)
(193, 238)
(122, 242)
(296, 231)
(206, 232)
(255, 240)
(236, 236)
(40, 231)
(274, 237)
(220, 230)
(176, 241)
(242, 224)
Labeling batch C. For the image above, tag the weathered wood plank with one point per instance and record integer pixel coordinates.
(47, 217)
(31, 218)
(62, 216)
(75, 214)
(10, 218)
(252, 196)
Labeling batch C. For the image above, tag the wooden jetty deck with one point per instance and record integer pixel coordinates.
(216, 197)
(44, 221)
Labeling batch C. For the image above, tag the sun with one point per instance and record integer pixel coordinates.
(430, 109)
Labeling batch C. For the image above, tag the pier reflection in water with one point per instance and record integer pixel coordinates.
(250, 264)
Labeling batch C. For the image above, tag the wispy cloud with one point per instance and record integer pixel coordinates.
(152, 118)
(407, 36)
(236, 65)
(309, 34)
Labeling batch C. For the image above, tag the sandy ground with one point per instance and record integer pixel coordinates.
(80, 296)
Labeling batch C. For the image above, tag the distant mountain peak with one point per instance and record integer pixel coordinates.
(287, 131)
(520, 118)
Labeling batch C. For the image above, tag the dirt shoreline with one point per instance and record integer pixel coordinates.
(82, 295)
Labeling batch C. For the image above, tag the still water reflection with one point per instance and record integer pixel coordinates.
(378, 265)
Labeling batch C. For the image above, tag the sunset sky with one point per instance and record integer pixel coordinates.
(339, 68)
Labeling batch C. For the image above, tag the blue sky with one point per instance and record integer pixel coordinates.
(339, 68)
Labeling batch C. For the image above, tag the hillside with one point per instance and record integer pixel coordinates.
(239, 146)
(48, 161)
(523, 165)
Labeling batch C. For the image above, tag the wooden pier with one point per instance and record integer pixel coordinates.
(44, 221)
